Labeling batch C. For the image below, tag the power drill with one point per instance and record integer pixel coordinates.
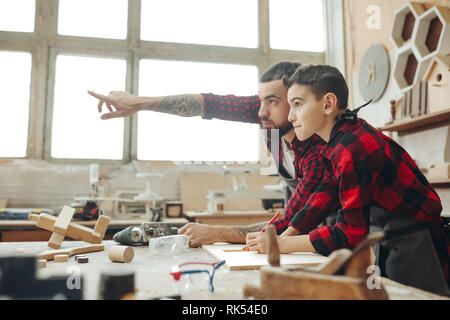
(140, 235)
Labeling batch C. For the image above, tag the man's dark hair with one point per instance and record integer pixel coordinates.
(278, 71)
(321, 79)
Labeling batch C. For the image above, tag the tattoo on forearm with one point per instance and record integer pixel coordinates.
(243, 230)
(183, 105)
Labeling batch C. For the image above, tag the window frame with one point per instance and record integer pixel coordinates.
(45, 44)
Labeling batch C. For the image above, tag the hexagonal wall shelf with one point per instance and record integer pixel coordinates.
(431, 35)
(404, 21)
(405, 68)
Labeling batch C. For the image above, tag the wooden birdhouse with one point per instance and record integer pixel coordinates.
(438, 79)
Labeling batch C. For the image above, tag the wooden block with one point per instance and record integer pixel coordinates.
(121, 254)
(74, 230)
(55, 240)
(77, 232)
(102, 225)
(61, 257)
(44, 221)
(42, 263)
(63, 220)
(439, 171)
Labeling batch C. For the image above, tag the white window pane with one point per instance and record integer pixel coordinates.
(17, 15)
(169, 137)
(297, 25)
(93, 18)
(213, 22)
(77, 130)
(15, 77)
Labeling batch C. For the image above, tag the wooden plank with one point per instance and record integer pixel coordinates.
(63, 220)
(250, 260)
(50, 254)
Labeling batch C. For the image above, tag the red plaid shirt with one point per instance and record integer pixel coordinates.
(366, 168)
(307, 164)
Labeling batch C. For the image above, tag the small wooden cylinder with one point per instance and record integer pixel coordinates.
(121, 254)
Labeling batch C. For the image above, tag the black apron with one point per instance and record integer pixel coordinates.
(410, 259)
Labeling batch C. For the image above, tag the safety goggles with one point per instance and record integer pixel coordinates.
(195, 277)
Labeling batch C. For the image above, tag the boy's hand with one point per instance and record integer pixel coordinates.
(256, 241)
(125, 104)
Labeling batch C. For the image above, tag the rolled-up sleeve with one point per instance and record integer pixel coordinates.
(231, 107)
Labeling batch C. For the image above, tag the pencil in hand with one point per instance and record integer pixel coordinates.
(246, 248)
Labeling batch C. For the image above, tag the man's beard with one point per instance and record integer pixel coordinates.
(285, 129)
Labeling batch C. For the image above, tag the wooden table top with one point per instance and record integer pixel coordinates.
(152, 272)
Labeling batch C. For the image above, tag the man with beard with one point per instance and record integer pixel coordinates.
(297, 161)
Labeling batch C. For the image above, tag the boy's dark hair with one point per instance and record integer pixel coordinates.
(321, 79)
(279, 70)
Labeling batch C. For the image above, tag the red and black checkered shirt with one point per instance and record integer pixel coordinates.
(308, 167)
(366, 168)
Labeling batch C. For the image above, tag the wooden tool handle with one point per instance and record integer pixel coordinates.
(273, 250)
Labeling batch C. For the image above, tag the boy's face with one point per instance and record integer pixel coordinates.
(306, 112)
(274, 109)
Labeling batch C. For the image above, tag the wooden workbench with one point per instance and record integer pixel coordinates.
(26, 230)
(230, 218)
(152, 273)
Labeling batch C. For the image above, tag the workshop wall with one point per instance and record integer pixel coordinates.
(427, 147)
(45, 184)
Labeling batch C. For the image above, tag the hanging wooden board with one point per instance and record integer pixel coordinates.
(236, 259)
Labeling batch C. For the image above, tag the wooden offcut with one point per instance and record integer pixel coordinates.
(50, 254)
(280, 284)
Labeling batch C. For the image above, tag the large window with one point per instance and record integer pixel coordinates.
(76, 129)
(52, 52)
(93, 18)
(169, 137)
(15, 101)
(17, 15)
(226, 23)
(300, 28)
